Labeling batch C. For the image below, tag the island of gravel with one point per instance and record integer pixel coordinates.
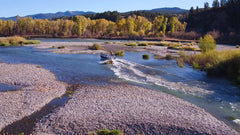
(82, 47)
(132, 109)
(37, 87)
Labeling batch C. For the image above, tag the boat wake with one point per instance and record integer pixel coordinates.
(138, 73)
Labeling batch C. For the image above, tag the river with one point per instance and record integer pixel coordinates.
(215, 95)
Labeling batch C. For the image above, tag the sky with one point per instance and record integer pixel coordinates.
(11, 8)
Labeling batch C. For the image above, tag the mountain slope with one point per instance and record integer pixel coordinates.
(173, 10)
(52, 15)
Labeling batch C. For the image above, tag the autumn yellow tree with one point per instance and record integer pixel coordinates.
(207, 43)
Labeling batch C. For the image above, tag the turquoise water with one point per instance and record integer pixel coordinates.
(215, 95)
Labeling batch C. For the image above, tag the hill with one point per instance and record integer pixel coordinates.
(222, 22)
(51, 15)
(173, 10)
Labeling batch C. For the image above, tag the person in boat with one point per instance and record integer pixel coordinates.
(111, 53)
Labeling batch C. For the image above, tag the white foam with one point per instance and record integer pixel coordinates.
(130, 71)
(237, 121)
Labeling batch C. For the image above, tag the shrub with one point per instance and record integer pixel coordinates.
(162, 44)
(180, 62)
(107, 132)
(218, 63)
(32, 42)
(196, 65)
(107, 42)
(181, 54)
(61, 47)
(131, 44)
(145, 56)
(207, 43)
(158, 56)
(169, 56)
(95, 47)
(16, 40)
(120, 53)
(189, 48)
(109, 62)
(143, 44)
(53, 47)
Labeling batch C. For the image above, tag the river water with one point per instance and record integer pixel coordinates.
(215, 95)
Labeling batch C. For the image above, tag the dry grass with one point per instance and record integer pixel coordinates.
(15, 41)
(218, 63)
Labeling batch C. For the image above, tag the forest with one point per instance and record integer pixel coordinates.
(221, 21)
(80, 26)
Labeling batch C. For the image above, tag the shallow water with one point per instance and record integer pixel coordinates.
(216, 95)
(4, 88)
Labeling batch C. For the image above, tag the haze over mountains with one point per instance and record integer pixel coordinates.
(174, 10)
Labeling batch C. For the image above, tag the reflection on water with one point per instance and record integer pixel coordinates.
(216, 95)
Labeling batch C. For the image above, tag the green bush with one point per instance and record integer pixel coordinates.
(32, 42)
(120, 53)
(145, 56)
(158, 56)
(169, 56)
(182, 54)
(196, 65)
(162, 44)
(61, 47)
(131, 44)
(5, 44)
(143, 44)
(107, 132)
(95, 47)
(180, 62)
(207, 43)
(15, 41)
(218, 63)
(107, 42)
(53, 47)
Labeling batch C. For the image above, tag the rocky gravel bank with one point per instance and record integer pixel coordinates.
(131, 109)
(37, 87)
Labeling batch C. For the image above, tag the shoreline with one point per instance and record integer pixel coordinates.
(38, 86)
(131, 109)
(31, 95)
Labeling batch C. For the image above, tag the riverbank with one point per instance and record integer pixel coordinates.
(131, 109)
(82, 47)
(37, 87)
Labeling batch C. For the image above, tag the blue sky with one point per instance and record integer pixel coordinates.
(29, 7)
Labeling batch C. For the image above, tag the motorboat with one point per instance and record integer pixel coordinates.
(107, 56)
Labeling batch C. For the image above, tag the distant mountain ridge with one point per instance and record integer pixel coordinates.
(51, 15)
(174, 10)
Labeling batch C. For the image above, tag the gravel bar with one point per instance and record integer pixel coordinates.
(38, 86)
(131, 109)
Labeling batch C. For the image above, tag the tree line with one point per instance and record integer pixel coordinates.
(77, 26)
(222, 20)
